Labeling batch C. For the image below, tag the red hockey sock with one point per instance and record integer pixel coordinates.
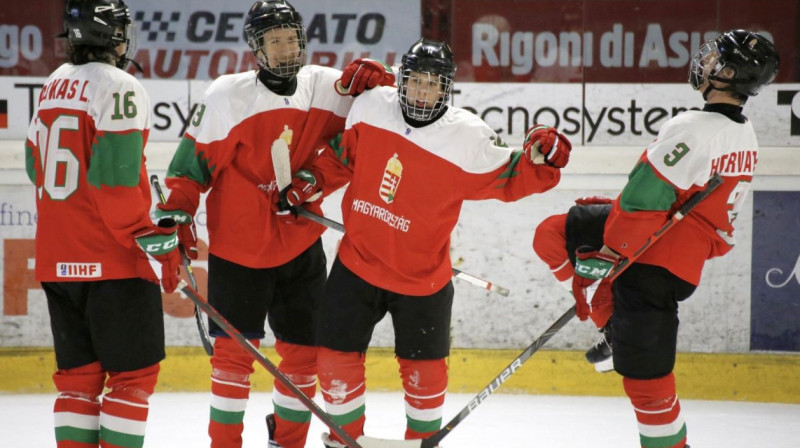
(230, 389)
(123, 417)
(425, 385)
(341, 380)
(658, 412)
(77, 409)
(292, 417)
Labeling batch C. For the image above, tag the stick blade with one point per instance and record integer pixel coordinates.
(281, 163)
(374, 442)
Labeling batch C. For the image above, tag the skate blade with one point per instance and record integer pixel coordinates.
(605, 365)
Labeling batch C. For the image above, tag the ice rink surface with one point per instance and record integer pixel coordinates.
(179, 420)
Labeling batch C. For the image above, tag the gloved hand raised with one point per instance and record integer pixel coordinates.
(160, 243)
(363, 74)
(591, 269)
(304, 188)
(545, 145)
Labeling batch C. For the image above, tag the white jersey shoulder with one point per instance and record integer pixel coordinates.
(459, 136)
(232, 99)
(114, 99)
(689, 143)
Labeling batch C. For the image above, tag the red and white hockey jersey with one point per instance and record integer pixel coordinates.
(408, 185)
(84, 153)
(690, 148)
(227, 149)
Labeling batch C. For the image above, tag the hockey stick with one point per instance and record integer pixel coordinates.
(280, 161)
(201, 326)
(505, 374)
(457, 273)
(715, 181)
(228, 328)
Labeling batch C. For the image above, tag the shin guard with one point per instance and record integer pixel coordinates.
(292, 417)
(341, 379)
(230, 389)
(425, 385)
(658, 412)
(77, 409)
(123, 417)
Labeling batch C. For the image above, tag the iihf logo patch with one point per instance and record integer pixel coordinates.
(286, 101)
(79, 270)
(408, 131)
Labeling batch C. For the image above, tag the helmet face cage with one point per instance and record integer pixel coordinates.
(101, 23)
(280, 50)
(276, 37)
(705, 65)
(423, 94)
(426, 79)
(753, 63)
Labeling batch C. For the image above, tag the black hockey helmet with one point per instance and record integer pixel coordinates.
(100, 23)
(265, 15)
(752, 57)
(434, 58)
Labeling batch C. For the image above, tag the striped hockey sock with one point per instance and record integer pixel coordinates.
(341, 379)
(292, 417)
(123, 416)
(658, 412)
(76, 411)
(230, 390)
(425, 385)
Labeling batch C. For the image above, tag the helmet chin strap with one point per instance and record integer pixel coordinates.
(707, 91)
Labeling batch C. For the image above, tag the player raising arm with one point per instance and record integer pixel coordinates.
(263, 265)
(94, 235)
(414, 160)
(690, 148)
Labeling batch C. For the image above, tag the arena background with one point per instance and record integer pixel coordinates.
(606, 73)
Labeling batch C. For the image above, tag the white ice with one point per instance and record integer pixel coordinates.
(179, 420)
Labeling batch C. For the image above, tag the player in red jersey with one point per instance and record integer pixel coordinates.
(690, 148)
(94, 236)
(263, 265)
(413, 161)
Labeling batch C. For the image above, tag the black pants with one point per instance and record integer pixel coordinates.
(117, 322)
(644, 324)
(352, 307)
(289, 294)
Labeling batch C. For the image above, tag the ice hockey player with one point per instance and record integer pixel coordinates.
(94, 235)
(555, 242)
(263, 265)
(413, 160)
(690, 148)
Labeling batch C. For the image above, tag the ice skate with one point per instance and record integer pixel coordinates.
(330, 443)
(271, 443)
(600, 353)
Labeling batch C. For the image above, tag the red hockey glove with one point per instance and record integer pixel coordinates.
(544, 144)
(187, 233)
(160, 243)
(304, 188)
(593, 200)
(363, 74)
(591, 270)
